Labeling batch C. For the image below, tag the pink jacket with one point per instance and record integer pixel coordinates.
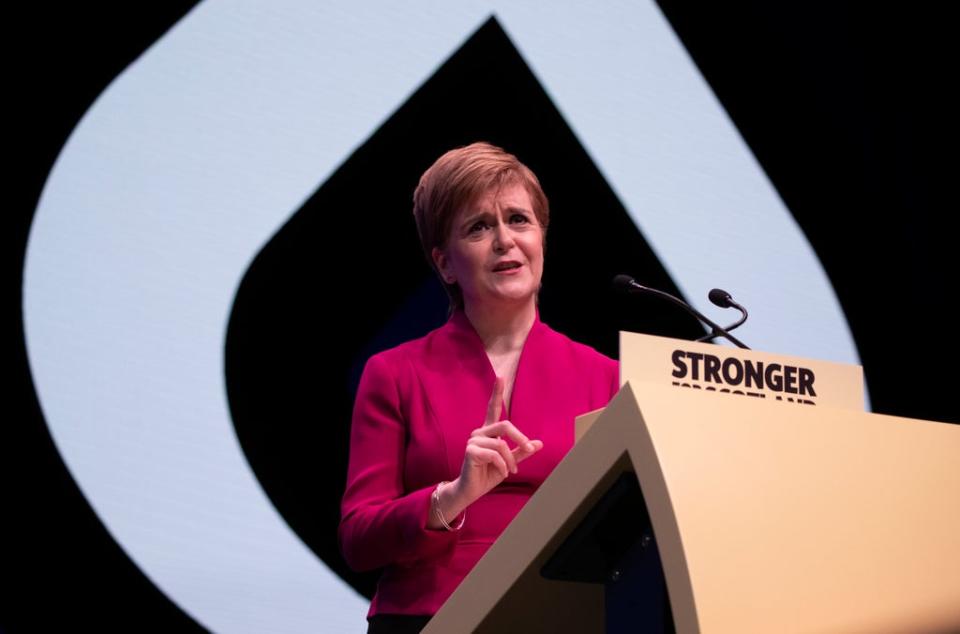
(416, 406)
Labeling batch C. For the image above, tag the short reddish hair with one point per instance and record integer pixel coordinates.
(458, 178)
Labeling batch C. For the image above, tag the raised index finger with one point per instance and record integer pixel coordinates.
(496, 402)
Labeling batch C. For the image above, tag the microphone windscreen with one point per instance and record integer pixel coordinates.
(720, 298)
(623, 283)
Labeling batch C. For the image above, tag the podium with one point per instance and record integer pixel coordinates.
(693, 505)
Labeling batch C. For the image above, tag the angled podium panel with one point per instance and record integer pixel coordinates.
(506, 591)
(804, 519)
(767, 516)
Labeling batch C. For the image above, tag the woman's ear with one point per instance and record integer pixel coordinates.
(442, 263)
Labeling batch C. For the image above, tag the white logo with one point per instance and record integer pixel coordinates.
(196, 154)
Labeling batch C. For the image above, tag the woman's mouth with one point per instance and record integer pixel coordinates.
(507, 267)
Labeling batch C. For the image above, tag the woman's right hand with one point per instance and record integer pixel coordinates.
(488, 459)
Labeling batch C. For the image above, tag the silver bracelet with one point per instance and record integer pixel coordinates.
(435, 498)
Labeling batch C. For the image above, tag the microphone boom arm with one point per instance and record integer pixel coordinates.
(627, 283)
(743, 317)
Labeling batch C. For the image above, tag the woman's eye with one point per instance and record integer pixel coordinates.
(477, 226)
(519, 218)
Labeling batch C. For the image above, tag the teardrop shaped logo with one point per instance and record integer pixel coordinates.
(226, 237)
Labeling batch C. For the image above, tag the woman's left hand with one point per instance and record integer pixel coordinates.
(488, 459)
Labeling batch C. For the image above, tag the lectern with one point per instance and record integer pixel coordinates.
(719, 493)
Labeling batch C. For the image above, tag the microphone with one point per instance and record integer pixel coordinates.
(722, 298)
(626, 284)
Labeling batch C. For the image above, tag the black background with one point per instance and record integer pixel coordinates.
(841, 104)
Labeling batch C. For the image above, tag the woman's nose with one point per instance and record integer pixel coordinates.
(502, 238)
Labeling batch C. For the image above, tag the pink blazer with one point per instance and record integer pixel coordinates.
(416, 406)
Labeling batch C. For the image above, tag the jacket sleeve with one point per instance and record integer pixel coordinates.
(614, 374)
(380, 522)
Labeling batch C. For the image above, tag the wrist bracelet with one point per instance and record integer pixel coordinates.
(436, 509)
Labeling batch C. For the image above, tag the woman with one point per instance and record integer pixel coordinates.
(473, 417)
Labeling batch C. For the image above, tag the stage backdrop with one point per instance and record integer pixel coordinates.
(214, 233)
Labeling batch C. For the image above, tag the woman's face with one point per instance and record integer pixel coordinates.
(495, 249)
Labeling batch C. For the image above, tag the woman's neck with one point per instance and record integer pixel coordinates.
(502, 329)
